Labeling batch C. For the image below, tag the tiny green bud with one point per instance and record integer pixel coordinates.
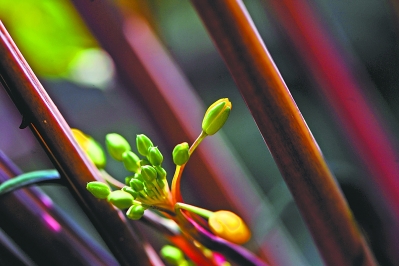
(120, 199)
(136, 184)
(96, 154)
(155, 156)
(149, 185)
(172, 254)
(216, 116)
(150, 193)
(127, 179)
(138, 176)
(99, 189)
(135, 212)
(161, 183)
(130, 191)
(181, 154)
(131, 161)
(143, 144)
(116, 145)
(148, 173)
(161, 172)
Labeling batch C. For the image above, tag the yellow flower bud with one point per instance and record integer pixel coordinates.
(229, 226)
(216, 116)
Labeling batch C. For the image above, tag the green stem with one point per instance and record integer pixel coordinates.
(197, 210)
(30, 178)
(176, 194)
(200, 138)
(154, 207)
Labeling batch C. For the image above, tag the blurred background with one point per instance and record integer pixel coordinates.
(88, 70)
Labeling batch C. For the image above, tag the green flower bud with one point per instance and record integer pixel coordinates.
(116, 145)
(130, 191)
(172, 254)
(181, 154)
(149, 185)
(148, 173)
(135, 212)
(155, 156)
(96, 154)
(161, 172)
(138, 176)
(216, 116)
(99, 189)
(120, 199)
(161, 183)
(150, 193)
(91, 147)
(131, 161)
(136, 184)
(143, 144)
(127, 179)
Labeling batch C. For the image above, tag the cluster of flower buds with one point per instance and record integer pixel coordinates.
(145, 187)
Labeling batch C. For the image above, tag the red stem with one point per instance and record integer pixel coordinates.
(363, 125)
(54, 134)
(292, 145)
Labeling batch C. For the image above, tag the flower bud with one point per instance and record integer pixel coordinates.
(120, 199)
(91, 147)
(161, 172)
(130, 191)
(148, 173)
(135, 212)
(229, 226)
(161, 183)
(128, 178)
(131, 161)
(155, 156)
(116, 145)
(138, 176)
(181, 154)
(149, 185)
(216, 116)
(150, 193)
(172, 254)
(143, 144)
(136, 184)
(99, 189)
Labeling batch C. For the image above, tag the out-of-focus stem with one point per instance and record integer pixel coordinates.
(292, 145)
(52, 131)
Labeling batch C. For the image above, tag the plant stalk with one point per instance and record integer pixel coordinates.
(284, 130)
(54, 134)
